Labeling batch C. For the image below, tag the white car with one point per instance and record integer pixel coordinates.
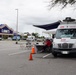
(30, 38)
(0, 38)
(9, 38)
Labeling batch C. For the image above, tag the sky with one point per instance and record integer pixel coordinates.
(32, 12)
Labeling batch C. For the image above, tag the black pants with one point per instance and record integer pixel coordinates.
(47, 48)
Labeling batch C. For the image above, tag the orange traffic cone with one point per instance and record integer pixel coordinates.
(30, 58)
(33, 50)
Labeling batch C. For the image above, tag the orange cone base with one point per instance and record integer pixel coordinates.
(30, 58)
(33, 53)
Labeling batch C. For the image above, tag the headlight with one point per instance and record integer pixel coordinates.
(55, 45)
(74, 46)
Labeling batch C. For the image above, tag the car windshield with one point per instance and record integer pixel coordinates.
(63, 33)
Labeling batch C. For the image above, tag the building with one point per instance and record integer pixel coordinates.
(6, 31)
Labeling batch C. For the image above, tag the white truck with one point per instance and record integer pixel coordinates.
(64, 41)
(30, 38)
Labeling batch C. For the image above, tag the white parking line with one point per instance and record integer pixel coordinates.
(18, 52)
(4, 49)
(46, 55)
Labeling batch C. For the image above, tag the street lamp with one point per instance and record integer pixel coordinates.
(17, 27)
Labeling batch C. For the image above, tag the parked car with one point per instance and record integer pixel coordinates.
(9, 38)
(16, 38)
(23, 39)
(30, 38)
(0, 38)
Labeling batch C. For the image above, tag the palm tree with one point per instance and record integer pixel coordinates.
(64, 3)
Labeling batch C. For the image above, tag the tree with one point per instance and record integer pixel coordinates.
(64, 3)
(35, 34)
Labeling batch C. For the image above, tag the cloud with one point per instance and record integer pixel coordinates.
(31, 12)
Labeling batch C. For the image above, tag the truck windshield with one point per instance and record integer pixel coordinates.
(66, 33)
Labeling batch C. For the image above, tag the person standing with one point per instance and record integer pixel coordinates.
(47, 46)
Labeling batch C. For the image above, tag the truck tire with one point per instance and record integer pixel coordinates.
(54, 54)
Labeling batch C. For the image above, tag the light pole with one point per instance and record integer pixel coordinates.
(17, 27)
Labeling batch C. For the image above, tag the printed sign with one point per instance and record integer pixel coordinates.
(63, 40)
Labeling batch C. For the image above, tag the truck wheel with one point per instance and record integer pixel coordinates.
(54, 54)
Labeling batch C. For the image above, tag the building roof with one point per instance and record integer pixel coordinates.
(3, 25)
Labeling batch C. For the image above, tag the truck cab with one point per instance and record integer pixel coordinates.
(64, 41)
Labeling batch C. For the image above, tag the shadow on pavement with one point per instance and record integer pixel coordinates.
(50, 56)
(69, 56)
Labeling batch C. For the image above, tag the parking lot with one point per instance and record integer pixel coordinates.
(14, 60)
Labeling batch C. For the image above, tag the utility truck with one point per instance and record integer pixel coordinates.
(64, 41)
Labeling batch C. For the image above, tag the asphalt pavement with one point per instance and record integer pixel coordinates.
(14, 60)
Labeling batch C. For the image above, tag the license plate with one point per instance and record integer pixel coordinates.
(65, 52)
